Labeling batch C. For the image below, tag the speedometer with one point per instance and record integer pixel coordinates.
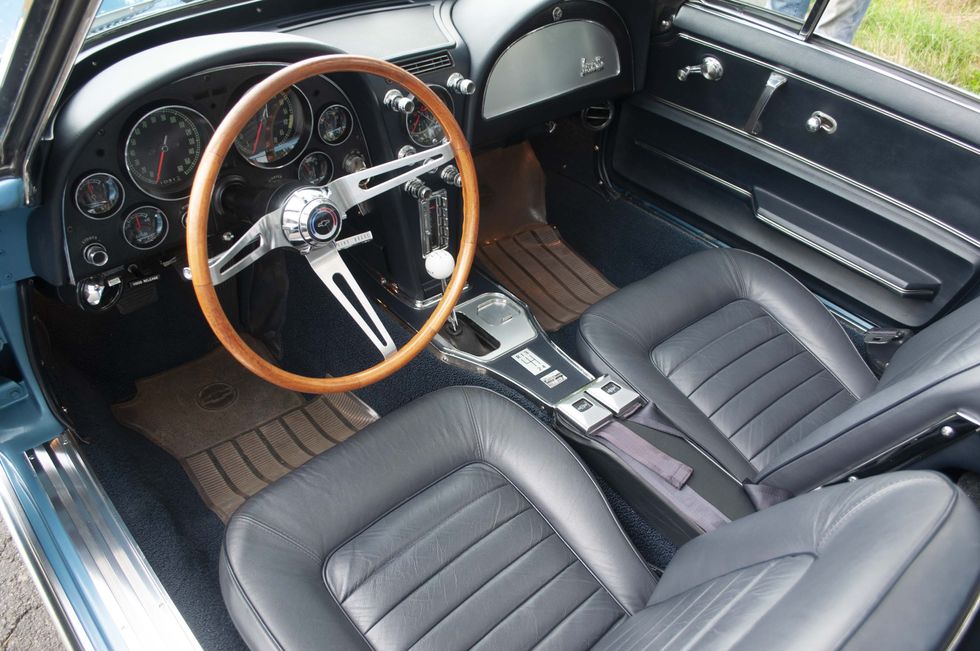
(163, 150)
(275, 135)
(422, 126)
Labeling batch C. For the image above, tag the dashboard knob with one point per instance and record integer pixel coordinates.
(460, 84)
(451, 176)
(354, 162)
(95, 254)
(418, 189)
(398, 102)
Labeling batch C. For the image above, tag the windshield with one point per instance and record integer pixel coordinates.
(114, 13)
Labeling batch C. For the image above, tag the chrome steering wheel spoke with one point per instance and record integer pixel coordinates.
(329, 266)
(264, 235)
(346, 191)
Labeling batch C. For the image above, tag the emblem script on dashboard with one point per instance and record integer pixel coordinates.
(590, 66)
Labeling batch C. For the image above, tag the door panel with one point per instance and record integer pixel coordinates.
(882, 211)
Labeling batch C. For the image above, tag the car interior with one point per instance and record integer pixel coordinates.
(511, 324)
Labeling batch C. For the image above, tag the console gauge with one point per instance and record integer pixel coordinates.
(163, 150)
(275, 134)
(315, 168)
(423, 128)
(99, 195)
(145, 227)
(334, 125)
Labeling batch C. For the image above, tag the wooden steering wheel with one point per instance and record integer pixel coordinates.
(310, 219)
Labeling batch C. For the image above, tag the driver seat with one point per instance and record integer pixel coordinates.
(460, 521)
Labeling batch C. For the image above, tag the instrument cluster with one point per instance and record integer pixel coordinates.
(127, 203)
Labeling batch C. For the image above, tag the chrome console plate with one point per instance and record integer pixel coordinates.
(502, 318)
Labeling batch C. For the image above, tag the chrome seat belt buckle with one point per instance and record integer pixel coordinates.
(614, 396)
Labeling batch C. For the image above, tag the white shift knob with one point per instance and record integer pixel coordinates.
(439, 264)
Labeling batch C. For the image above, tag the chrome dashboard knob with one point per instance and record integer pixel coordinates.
(398, 102)
(95, 254)
(451, 176)
(460, 84)
(354, 162)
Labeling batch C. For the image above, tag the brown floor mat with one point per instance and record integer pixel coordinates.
(233, 432)
(539, 268)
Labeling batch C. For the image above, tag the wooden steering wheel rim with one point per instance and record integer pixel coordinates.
(200, 200)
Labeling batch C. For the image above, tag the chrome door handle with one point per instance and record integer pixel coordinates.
(754, 124)
(820, 121)
(710, 68)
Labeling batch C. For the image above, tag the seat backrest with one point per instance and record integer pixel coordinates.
(934, 375)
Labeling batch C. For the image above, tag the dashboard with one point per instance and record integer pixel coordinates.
(128, 140)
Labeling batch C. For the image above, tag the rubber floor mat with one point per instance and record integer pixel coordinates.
(543, 271)
(233, 432)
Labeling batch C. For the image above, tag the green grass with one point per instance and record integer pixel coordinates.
(940, 38)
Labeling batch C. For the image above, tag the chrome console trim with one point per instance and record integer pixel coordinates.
(123, 585)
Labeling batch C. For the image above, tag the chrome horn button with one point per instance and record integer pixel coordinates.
(309, 218)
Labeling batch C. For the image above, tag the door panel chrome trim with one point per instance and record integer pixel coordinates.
(132, 597)
(853, 266)
(807, 80)
(737, 189)
(722, 11)
(820, 168)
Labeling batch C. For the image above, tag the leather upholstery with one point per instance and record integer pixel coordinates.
(733, 350)
(461, 521)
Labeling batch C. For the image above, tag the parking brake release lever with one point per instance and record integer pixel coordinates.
(439, 264)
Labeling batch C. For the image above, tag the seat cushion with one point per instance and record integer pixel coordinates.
(457, 521)
(731, 348)
(891, 562)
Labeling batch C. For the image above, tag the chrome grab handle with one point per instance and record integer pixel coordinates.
(754, 124)
(820, 121)
(710, 68)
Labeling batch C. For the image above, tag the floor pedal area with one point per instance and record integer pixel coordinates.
(543, 271)
(234, 433)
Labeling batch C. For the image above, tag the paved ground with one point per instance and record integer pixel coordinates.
(24, 622)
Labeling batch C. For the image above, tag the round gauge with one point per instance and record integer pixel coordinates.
(99, 195)
(163, 150)
(334, 125)
(423, 128)
(145, 227)
(315, 168)
(275, 133)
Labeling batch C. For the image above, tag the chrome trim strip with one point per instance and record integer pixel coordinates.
(727, 13)
(846, 179)
(853, 266)
(853, 320)
(737, 189)
(135, 602)
(960, 634)
(873, 107)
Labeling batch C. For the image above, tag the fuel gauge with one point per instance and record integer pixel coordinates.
(99, 195)
(315, 169)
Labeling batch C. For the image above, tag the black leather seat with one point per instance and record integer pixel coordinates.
(753, 368)
(460, 521)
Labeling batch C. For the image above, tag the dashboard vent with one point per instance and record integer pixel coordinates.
(598, 116)
(427, 63)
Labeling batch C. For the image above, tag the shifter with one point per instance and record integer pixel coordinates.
(439, 264)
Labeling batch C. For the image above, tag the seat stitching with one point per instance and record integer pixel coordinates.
(476, 430)
(479, 588)
(710, 343)
(633, 335)
(798, 421)
(873, 497)
(270, 529)
(776, 401)
(408, 546)
(452, 560)
(567, 617)
(756, 380)
(687, 605)
(719, 370)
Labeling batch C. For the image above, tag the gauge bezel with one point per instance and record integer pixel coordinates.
(315, 152)
(301, 146)
(452, 109)
(122, 195)
(129, 171)
(350, 128)
(163, 236)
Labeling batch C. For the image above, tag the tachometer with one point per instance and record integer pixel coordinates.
(163, 150)
(145, 227)
(423, 128)
(275, 134)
